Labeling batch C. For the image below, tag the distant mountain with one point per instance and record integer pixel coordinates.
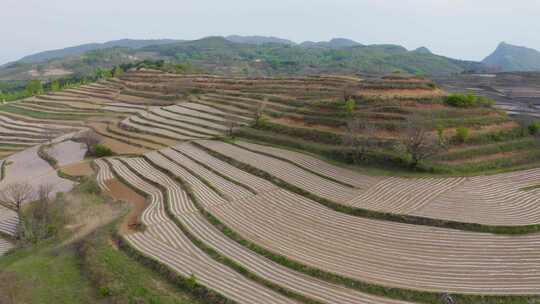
(258, 40)
(81, 49)
(423, 50)
(253, 56)
(335, 56)
(335, 43)
(511, 58)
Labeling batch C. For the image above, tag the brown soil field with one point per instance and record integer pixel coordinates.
(119, 191)
(119, 147)
(78, 169)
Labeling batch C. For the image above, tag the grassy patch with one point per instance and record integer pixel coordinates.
(119, 278)
(47, 274)
(89, 269)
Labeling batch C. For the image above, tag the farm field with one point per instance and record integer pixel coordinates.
(248, 215)
(490, 200)
(251, 190)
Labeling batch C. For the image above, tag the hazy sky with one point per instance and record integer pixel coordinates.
(466, 29)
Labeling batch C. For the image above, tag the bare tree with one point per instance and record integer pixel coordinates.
(417, 141)
(360, 138)
(259, 112)
(15, 194)
(90, 139)
(231, 123)
(44, 192)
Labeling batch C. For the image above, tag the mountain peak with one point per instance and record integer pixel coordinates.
(510, 58)
(423, 50)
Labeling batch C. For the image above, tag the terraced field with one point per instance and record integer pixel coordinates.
(378, 252)
(309, 114)
(165, 242)
(490, 200)
(8, 221)
(5, 246)
(185, 212)
(260, 224)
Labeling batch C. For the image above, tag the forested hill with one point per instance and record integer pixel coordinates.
(245, 56)
(299, 59)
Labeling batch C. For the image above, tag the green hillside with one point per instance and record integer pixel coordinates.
(259, 57)
(296, 59)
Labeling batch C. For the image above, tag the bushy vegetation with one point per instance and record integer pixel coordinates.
(34, 87)
(43, 219)
(462, 134)
(90, 270)
(119, 279)
(290, 59)
(21, 90)
(534, 128)
(102, 151)
(468, 101)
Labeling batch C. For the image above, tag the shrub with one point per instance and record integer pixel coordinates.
(102, 151)
(88, 185)
(192, 281)
(350, 105)
(461, 100)
(462, 134)
(42, 219)
(440, 134)
(483, 101)
(468, 100)
(534, 128)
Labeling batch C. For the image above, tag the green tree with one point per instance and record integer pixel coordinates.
(462, 134)
(350, 106)
(34, 87)
(103, 73)
(534, 128)
(118, 71)
(55, 86)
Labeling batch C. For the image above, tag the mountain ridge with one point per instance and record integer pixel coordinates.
(83, 48)
(513, 58)
(246, 55)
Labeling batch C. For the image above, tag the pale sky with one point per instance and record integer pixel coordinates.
(464, 29)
